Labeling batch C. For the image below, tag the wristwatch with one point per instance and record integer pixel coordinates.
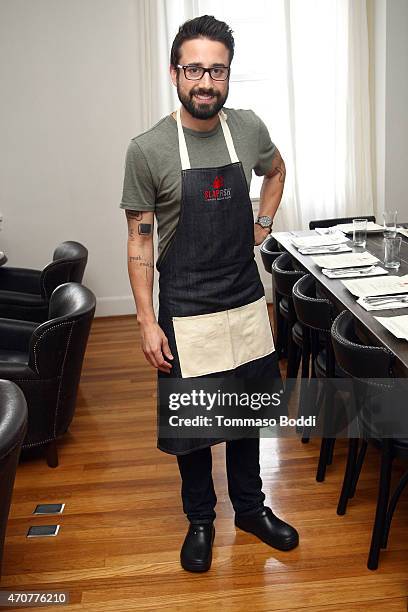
(265, 222)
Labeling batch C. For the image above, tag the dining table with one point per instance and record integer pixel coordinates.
(368, 328)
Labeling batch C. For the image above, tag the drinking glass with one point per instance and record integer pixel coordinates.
(359, 232)
(392, 246)
(390, 223)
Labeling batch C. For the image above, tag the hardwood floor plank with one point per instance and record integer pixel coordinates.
(121, 532)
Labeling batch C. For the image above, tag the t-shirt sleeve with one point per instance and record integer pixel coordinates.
(266, 150)
(139, 192)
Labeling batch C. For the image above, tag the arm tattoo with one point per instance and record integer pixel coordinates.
(134, 214)
(143, 263)
(144, 229)
(278, 167)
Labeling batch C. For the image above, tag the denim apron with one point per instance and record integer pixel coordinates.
(212, 304)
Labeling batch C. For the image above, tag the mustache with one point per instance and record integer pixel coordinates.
(204, 92)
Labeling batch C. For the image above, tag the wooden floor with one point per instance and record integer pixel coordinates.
(118, 547)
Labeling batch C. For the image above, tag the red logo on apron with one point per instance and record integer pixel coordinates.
(217, 191)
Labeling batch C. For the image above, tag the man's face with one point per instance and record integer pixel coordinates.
(203, 99)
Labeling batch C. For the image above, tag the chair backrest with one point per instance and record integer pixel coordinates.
(57, 347)
(338, 220)
(314, 312)
(357, 359)
(284, 275)
(68, 265)
(13, 425)
(270, 250)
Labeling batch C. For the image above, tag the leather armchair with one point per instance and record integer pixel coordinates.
(45, 361)
(13, 425)
(25, 293)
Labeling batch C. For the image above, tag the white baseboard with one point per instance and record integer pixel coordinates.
(117, 305)
(125, 305)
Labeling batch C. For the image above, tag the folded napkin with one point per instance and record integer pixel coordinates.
(315, 240)
(345, 260)
(398, 325)
(347, 228)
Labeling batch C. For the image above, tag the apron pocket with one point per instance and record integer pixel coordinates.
(203, 344)
(250, 330)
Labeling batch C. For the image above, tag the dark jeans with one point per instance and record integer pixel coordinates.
(244, 481)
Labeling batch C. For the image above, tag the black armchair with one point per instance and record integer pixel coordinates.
(45, 361)
(13, 425)
(25, 293)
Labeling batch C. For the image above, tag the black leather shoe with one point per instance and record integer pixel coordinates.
(196, 552)
(269, 528)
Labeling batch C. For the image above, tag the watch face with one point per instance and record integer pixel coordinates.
(265, 221)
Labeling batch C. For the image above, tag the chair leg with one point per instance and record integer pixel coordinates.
(331, 451)
(382, 503)
(323, 457)
(359, 465)
(280, 328)
(52, 454)
(313, 400)
(304, 386)
(293, 357)
(348, 476)
(391, 508)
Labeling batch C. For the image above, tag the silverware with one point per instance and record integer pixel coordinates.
(401, 300)
(386, 296)
(311, 250)
(337, 271)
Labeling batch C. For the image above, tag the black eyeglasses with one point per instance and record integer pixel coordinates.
(195, 73)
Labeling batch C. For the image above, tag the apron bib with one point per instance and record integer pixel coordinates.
(212, 305)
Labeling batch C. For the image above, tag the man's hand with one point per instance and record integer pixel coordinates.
(155, 346)
(260, 233)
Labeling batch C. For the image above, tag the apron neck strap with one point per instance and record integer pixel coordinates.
(184, 158)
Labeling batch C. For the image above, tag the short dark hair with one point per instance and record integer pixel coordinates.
(205, 26)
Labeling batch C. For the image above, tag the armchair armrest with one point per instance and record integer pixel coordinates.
(16, 335)
(24, 280)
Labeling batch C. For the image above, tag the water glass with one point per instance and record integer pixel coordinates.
(392, 246)
(359, 232)
(390, 223)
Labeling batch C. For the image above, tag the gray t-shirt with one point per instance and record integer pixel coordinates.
(153, 168)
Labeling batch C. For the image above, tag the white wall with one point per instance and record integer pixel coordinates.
(388, 27)
(70, 102)
(68, 108)
(396, 118)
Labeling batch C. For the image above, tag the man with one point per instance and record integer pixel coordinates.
(192, 170)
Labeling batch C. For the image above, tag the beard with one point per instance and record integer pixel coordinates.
(202, 110)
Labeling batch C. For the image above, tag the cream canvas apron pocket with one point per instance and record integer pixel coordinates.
(251, 333)
(203, 344)
(222, 341)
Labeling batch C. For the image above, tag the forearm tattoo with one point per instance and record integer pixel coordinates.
(142, 262)
(278, 167)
